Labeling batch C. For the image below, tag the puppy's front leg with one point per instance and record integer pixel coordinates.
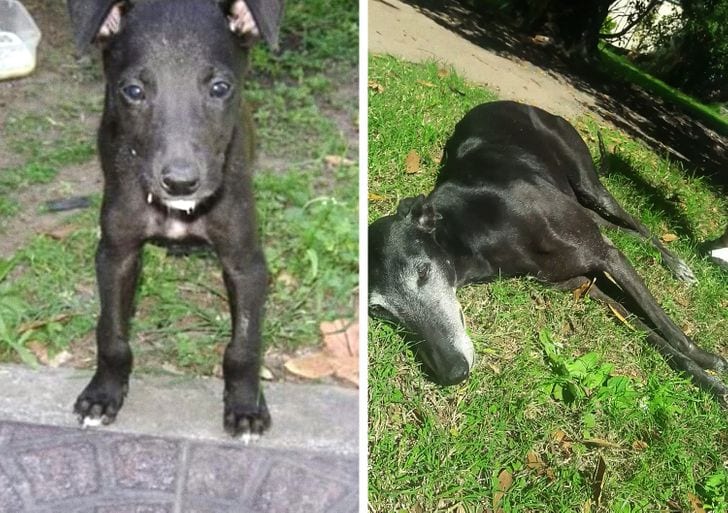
(117, 271)
(246, 277)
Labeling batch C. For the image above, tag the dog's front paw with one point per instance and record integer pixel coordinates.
(99, 402)
(245, 420)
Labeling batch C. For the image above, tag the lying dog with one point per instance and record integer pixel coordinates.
(175, 145)
(517, 195)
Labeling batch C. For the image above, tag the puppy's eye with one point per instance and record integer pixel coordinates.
(133, 92)
(423, 273)
(219, 89)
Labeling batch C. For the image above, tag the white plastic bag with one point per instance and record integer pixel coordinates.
(19, 37)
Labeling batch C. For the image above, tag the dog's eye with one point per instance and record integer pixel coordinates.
(219, 89)
(423, 273)
(133, 92)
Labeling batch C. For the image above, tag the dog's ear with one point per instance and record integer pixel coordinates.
(405, 205)
(94, 20)
(252, 19)
(420, 211)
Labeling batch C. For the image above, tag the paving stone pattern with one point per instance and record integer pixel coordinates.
(47, 469)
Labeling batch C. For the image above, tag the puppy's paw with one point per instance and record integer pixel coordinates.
(247, 421)
(99, 403)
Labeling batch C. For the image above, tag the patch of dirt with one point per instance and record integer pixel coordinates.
(33, 219)
(58, 81)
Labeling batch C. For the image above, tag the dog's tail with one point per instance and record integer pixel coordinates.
(603, 156)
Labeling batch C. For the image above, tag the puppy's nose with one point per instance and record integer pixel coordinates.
(180, 178)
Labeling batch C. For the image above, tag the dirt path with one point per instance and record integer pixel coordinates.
(400, 29)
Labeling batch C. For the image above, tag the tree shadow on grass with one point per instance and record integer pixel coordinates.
(663, 126)
(653, 196)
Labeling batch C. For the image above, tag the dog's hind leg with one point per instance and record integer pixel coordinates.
(676, 359)
(594, 196)
(620, 270)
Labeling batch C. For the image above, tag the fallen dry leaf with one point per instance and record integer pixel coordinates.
(598, 481)
(266, 374)
(695, 503)
(340, 356)
(505, 481)
(311, 366)
(558, 435)
(619, 316)
(61, 232)
(601, 442)
(425, 83)
(668, 237)
(333, 161)
(341, 337)
(412, 163)
(586, 507)
(59, 359)
(39, 351)
(376, 197)
(376, 86)
(534, 461)
(287, 280)
(541, 40)
(34, 325)
(639, 445)
(443, 72)
(172, 369)
(348, 369)
(583, 289)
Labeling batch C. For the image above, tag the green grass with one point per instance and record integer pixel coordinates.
(307, 216)
(616, 65)
(551, 373)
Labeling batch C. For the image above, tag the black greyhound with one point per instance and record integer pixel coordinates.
(175, 145)
(517, 195)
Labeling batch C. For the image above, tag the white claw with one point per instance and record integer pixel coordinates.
(91, 422)
(248, 437)
(149, 198)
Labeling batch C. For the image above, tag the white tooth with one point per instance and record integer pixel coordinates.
(184, 205)
(149, 198)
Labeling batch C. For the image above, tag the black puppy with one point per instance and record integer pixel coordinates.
(517, 194)
(175, 145)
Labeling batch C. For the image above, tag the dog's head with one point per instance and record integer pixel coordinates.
(174, 73)
(412, 283)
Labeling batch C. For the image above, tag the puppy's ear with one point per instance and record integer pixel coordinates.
(95, 20)
(252, 19)
(420, 211)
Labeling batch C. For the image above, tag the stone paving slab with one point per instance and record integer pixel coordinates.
(313, 417)
(48, 469)
(167, 453)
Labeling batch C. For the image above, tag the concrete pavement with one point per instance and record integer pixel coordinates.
(167, 451)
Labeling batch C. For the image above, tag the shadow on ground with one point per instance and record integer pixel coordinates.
(665, 127)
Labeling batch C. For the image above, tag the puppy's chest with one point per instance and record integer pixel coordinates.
(175, 226)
